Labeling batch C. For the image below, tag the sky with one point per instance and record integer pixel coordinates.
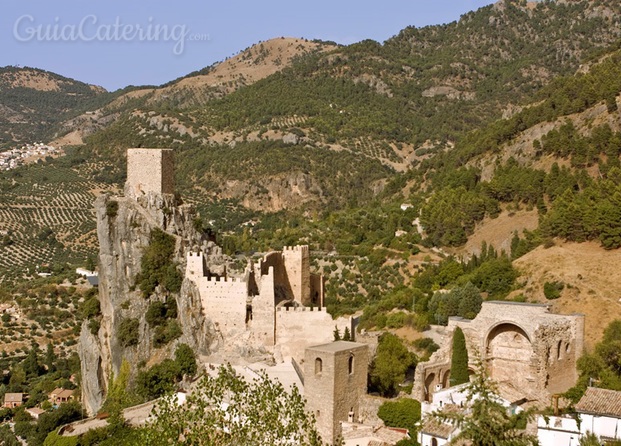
(116, 43)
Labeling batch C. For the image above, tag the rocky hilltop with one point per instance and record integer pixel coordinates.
(124, 225)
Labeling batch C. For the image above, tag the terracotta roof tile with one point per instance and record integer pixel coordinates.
(437, 429)
(13, 397)
(600, 402)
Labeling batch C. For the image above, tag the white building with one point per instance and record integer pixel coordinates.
(599, 412)
(453, 399)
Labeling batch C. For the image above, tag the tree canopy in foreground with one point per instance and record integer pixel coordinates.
(487, 422)
(227, 410)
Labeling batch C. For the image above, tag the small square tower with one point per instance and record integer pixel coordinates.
(149, 170)
(335, 379)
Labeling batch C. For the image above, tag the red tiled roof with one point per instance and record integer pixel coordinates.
(600, 402)
(13, 397)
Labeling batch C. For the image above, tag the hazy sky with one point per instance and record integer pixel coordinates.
(115, 43)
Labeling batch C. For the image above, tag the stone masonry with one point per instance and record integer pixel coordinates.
(335, 381)
(149, 170)
(277, 305)
(530, 352)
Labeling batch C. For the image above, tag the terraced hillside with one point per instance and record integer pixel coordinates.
(46, 218)
(33, 103)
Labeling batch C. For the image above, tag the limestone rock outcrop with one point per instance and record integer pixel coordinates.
(124, 226)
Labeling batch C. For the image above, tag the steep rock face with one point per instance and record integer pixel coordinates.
(123, 234)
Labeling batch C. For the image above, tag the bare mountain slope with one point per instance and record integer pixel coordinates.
(592, 283)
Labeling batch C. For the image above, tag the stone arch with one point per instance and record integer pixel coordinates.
(446, 379)
(508, 354)
(429, 383)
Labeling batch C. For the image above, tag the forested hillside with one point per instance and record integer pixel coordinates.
(33, 103)
(511, 110)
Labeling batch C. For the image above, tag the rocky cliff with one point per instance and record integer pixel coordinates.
(124, 226)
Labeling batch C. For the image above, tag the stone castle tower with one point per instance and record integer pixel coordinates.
(149, 170)
(335, 379)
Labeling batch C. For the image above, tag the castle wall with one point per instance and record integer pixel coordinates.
(297, 266)
(195, 266)
(299, 328)
(263, 318)
(282, 286)
(317, 290)
(150, 170)
(224, 302)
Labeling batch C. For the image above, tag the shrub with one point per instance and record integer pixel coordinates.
(186, 359)
(164, 334)
(404, 413)
(157, 266)
(112, 208)
(552, 290)
(128, 332)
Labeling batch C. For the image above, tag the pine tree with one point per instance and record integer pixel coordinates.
(459, 359)
(337, 333)
(346, 334)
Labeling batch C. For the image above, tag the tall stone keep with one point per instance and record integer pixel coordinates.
(335, 379)
(297, 267)
(149, 170)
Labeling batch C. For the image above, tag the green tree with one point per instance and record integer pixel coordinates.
(391, 363)
(459, 359)
(119, 397)
(186, 359)
(470, 301)
(488, 422)
(404, 413)
(590, 439)
(346, 334)
(128, 332)
(50, 358)
(157, 266)
(226, 410)
(336, 333)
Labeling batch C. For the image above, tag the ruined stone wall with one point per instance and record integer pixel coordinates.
(301, 327)
(296, 261)
(282, 285)
(526, 349)
(263, 309)
(224, 302)
(317, 290)
(149, 170)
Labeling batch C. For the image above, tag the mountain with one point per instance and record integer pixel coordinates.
(500, 132)
(216, 81)
(34, 102)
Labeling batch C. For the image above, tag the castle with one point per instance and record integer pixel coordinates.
(277, 305)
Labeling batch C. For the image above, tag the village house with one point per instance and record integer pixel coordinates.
(60, 396)
(12, 400)
(598, 412)
(35, 412)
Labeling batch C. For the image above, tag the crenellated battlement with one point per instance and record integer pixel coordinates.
(215, 279)
(298, 248)
(300, 309)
